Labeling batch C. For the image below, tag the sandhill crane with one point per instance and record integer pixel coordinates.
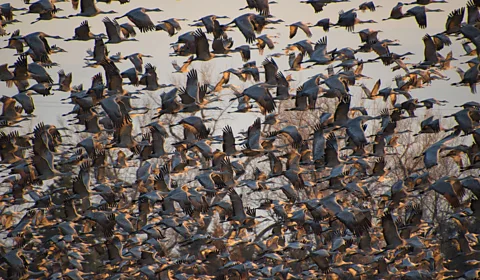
(368, 6)
(49, 15)
(369, 36)
(420, 14)
(271, 69)
(38, 73)
(195, 125)
(249, 24)
(64, 81)
(372, 94)
(7, 10)
(38, 44)
(243, 103)
(128, 30)
(202, 49)
(396, 12)
(468, 50)
(10, 112)
(14, 42)
(39, 7)
(244, 51)
(252, 142)
(171, 25)
(98, 54)
(390, 233)
(15, 261)
(250, 71)
(170, 104)
(290, 132)
(324, 23)
(184, 67)
(304, 99)
(26, 100)
(224, 80)
(114, 32)
(472, 12)
(304, 46)
(123, 134)
(454, 21)
(137, 60)
(429, 102)
(355, 130)
(467, 119)
(44, 170)
(283, 86)
(3, 32)
(430, 52)
(150, 78)
(265, 40)
(320, 55)
(302, 25)
(426, 2)
(222, 45)
(470, 78)
(429, 125)
(430, 155)
(106, 221)
(295, 61)
(261, 95)
(349, 19)
(208, 22)
(261, 6)
(356, 220)
(450, 188)
(88, 8)
(141, 20)
(228, 143)
(318, 5)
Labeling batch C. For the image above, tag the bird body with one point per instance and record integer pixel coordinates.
(139, 17)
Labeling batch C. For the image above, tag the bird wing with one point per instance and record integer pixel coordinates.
(228, 143)
(263, 97)
(321, 47)
(271, 69)
(430, 51)
(356, 133)
(201, 45)
(253, 135)
(379, 166)
(237, 203)
(192, 87)
(246, 27)
(113, 29)
(420, 16)
(305, 29)
(83, 30)
(318, 148)
(341, 112)
(472, 12)
(366, 91)
(455, 19)
(141, 20)
(293, 30)
(331, 151)
(376, 88)
(390, 232)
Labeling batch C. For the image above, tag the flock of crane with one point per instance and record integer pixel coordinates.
(329, 199)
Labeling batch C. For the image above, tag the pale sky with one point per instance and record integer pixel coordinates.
(157, 44)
